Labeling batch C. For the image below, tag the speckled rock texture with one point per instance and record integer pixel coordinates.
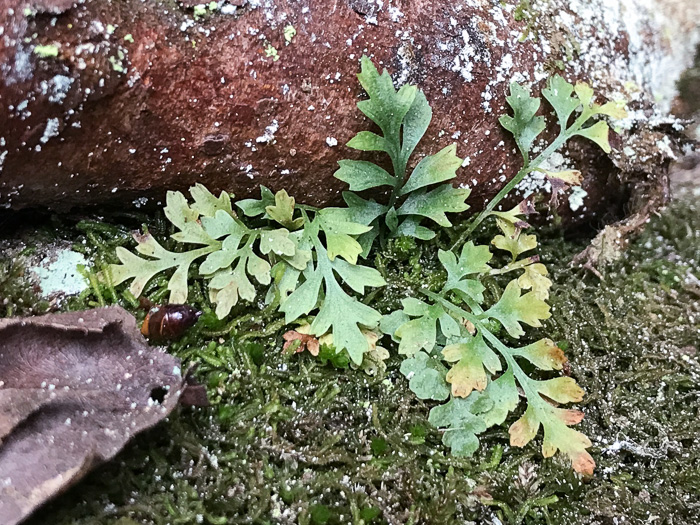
(114, 102)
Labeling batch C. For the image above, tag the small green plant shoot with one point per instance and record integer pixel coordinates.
(460, 346)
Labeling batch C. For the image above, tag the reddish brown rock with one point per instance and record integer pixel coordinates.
(105, 102)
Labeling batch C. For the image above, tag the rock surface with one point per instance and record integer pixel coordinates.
(104, 103)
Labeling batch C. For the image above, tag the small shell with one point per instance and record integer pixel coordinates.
(169, 322)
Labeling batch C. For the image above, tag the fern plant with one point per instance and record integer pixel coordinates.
(453, 351)
(459, 346)
(403, 117)
(567, 100)
(308, 270)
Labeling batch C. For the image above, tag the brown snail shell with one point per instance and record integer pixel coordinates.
(169, 322)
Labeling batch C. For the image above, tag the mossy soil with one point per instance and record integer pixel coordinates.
(291, 439)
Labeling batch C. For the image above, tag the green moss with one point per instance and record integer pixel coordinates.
(17, 294)
(271, 52)
(290, 440)
(522, 11)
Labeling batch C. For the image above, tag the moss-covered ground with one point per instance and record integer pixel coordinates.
(288, 439)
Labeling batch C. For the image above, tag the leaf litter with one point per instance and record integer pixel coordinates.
(74, 389)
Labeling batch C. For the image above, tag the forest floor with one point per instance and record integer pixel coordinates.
(288, 439)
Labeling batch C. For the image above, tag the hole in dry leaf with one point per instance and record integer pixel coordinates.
(158, 394)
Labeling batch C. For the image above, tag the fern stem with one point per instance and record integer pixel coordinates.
(526, 383)
(307, 207)
(517, 265)
(399, 166)
(520, 375)
(527, 168)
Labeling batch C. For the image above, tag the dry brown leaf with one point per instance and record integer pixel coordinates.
(306, 341)
(74, 388)
(561, 181)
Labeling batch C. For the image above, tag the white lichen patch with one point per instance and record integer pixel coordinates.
(58, 274)
(655, 56)
(21, 69)
(56, 88)
(534, 182)
(469, 54)
(576, 198)
(580, 39)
